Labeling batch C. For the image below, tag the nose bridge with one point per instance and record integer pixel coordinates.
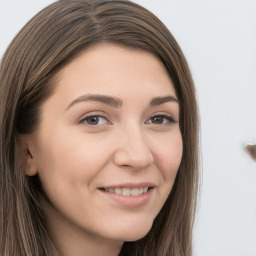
(134, 149)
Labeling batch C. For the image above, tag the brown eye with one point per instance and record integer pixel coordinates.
(158, 119)
(161, 119)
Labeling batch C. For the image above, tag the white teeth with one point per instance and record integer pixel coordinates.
(118, 191)
(127, 191)
(145, 190)
(111, 190)
(135, 191)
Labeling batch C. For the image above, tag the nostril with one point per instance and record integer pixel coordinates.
(133, 151)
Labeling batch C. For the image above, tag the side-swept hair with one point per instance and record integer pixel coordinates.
(47, 43)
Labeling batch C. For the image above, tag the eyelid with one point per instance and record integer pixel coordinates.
(168, 116)
(94, 113)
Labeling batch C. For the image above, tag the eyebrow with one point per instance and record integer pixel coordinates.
(108, 100)
(116, 102)
(161, 100)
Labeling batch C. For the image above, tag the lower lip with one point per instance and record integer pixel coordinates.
(130, 201)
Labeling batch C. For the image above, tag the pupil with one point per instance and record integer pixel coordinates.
(158, 119)
(93, 120)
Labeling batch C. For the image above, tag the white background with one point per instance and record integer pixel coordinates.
(218, 38)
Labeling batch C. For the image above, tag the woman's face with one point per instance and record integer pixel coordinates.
(108, 146)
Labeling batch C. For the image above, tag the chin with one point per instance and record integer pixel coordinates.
(132, 232)
(135, 237)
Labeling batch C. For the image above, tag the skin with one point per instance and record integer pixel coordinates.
(129, 143)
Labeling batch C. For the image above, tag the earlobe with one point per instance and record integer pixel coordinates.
(31, 171)
(31, 167)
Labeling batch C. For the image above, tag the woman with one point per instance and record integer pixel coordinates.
(99, 133)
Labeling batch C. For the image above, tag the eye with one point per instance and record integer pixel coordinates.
(95, 120)
(161, 119)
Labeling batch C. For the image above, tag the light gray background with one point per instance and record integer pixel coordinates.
(218, 38)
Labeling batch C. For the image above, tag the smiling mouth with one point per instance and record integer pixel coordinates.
(127, 191)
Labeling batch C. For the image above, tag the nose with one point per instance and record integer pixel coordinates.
(133, 150)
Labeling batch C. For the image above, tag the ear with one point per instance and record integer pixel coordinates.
(28, 154)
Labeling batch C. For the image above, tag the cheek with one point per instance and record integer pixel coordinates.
(66, 165)
(72, 160)
(169, 156)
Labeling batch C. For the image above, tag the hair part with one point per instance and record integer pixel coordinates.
(28, 74)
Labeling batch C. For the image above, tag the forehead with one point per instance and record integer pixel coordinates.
(134, 76)
(108, 65)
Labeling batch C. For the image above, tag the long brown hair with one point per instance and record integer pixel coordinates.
(47, 43)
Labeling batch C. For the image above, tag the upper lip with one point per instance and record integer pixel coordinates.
(132, 185)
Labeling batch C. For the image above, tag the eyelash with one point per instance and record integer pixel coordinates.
(86, 119)
(96, 117)
(169, 119)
